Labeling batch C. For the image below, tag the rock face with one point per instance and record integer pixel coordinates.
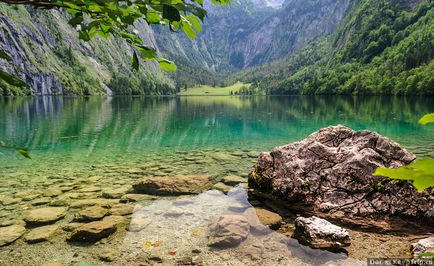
(94, 231)
(173, 185)
(319, 233)
(229, 231)
(10, 233)
(45, 215)
(425, 245)
(330, 173)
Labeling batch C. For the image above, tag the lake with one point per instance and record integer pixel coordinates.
(82, 146)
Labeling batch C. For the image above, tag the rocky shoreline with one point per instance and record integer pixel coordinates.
(165, 215)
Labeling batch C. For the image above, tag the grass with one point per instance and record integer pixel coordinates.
(208, 90)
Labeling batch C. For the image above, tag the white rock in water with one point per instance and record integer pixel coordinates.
(319, 233)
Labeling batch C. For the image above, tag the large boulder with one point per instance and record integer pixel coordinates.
(330, 174)
(319, 233)
(173, 185)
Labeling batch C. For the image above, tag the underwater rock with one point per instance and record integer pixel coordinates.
(45, 215)
(233, 180)
(91, 214)
(93, 231)
(229, 231)
(114, 193)
(173, 185)
(425, 245)
(139, 223)
(121, 209)
(222, 187)
(269, 218)
(330, 174)
(9, 234)
(319, 233)
(136, 197)
(40, 234)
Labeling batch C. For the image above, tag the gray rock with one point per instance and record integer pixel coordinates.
(425, 245)
(319, 233)
(45, 215)
(330, 172)
(40, 234)
(229, 231)
(9, 234)
(139, 223)
(173, 185)
(94, 231)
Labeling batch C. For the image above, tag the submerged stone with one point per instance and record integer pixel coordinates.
(229, 231)
(45, 215)
(121, 209)
(9, 234)
(94, 231)
(91, 214)
(40, 234)
(173, 185)
(269, 218)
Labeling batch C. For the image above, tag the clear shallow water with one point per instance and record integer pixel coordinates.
(94, 144)
(83, 129)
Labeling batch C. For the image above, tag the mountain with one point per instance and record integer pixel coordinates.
(249, 33)
(48, 56)
(381, 47)
(280, 46)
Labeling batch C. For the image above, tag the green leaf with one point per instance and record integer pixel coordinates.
(195, 22)
(75, 21)
(24, 152)
(427, 254)
(420, 172)
(186, 27)
(429, 118)
(5, 56)
(135, 62)
(171, 13)
(152, 17)
(147, 53)
(166, 64)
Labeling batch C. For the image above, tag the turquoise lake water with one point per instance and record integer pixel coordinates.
(81, 147)
(76, 129)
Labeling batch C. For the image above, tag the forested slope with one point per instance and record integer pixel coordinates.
(382, 47)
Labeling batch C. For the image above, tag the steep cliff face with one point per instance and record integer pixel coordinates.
(48, 56)
(252, 32)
